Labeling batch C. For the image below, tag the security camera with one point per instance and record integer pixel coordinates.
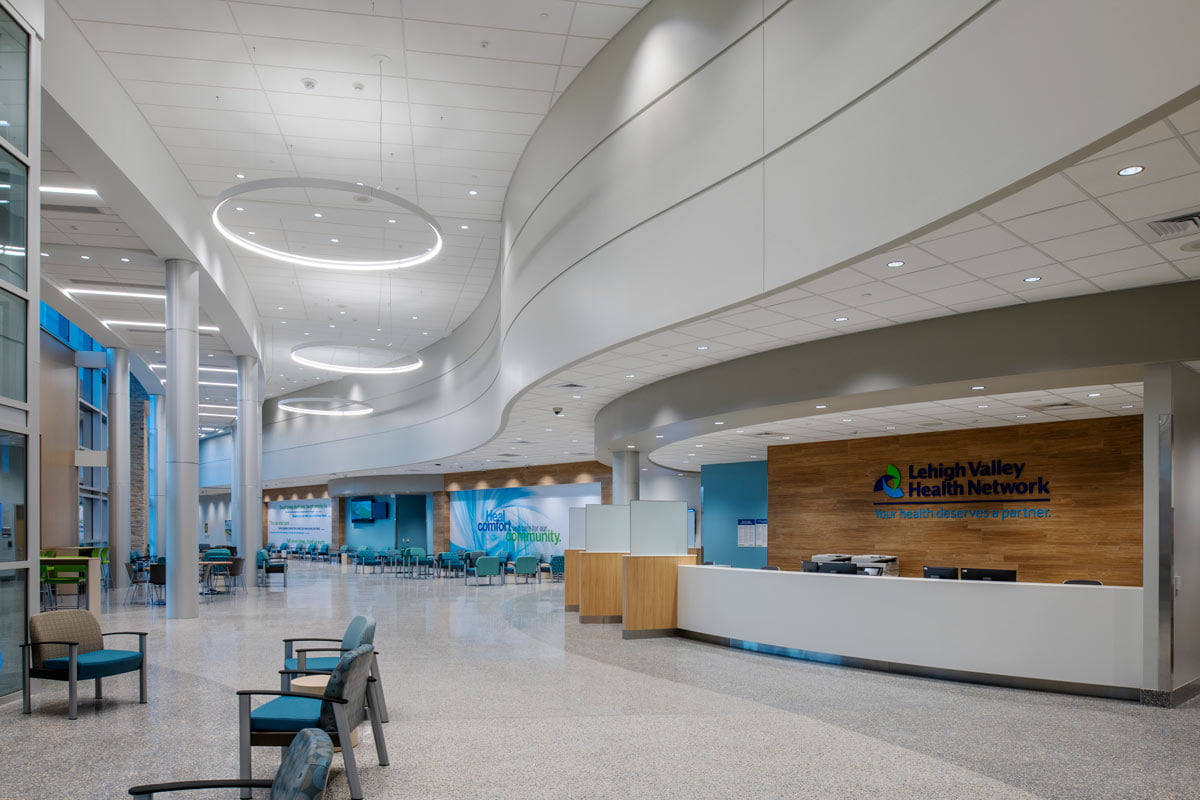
(557, 411)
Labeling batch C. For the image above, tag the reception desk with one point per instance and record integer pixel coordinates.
(1069, 638)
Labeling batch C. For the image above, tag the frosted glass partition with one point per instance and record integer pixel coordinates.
(607, 529)
(577, 532)
(658, 528)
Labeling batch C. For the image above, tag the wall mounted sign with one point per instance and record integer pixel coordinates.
(988, 482)
(300, 522)
(526, 520)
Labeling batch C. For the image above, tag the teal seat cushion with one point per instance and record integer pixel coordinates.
(287, 714)
(98, 663)
(312, 663)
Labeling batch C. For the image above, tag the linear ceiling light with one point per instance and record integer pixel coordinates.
(115, 293)
(213, 414)
(67, 190)
(202, 369)
(223, 408)
(130, 323)
(326, 263)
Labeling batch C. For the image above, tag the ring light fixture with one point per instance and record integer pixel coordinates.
(326, 406)
(326, 263)
(385, 358)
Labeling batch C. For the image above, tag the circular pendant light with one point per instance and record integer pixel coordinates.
(324, 184)
(354, 359)
(325, 406)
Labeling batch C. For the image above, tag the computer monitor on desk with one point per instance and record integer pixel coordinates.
(838, 567)
(969, 574)
(809, 566)
(944, 573)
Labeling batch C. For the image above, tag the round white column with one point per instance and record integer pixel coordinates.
(626, 476)
(247, 463)
(183, 446)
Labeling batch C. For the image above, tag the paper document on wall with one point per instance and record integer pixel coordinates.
(745, 532)
(760, 533)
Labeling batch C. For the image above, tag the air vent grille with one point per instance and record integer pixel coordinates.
(74, 209)
(1161, 229)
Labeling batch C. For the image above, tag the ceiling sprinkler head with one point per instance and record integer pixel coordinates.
(309, 83)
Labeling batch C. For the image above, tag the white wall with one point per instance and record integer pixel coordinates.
(214, 510)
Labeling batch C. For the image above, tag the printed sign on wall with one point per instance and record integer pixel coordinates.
(527, 520)
(975, 485)
(300, 522)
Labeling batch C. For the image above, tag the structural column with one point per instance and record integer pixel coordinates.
(626, 476)
(247, 463)
(118, 463)
(183, 446)
(158, 492)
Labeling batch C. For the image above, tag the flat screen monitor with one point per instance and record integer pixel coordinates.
(944, 573)
(360, 510)
(969, 574)
(838, 567)
(809, 566)
(379, 509)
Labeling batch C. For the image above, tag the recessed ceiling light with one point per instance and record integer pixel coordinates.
(371, 339)
(895, 264)
(631, 446)
(840, 319)
(332, 325)
(125, 260)
(283, 322)
(424, 333)
(1127, 406)
(238, 208)
(576, 396)
(701, 347)
(45, 255)
(982, 406)
(1132, 169)
(392, 221)
(659, 436)
(86, 258)
(465, 227)
(891, 427)
(472, 192)
(548, 430)
(342, 313)
(279, 308)
(1093, 394)
(318, 214)
(785, 437)
(822, 406)
(847, 419)
(740, 430)
(718, 423)
(335, 241)
(644, 469)
(251, 233)
(1032, 279)
(631, 375)
(239, 176)
(1022, 416)
(977, 388)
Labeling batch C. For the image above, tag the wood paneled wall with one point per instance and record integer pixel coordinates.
(539, 475)
(821, 499)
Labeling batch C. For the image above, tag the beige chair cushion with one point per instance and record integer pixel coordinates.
(63, 626)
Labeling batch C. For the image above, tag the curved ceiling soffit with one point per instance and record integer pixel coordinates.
(1098, 337)
(91, 123)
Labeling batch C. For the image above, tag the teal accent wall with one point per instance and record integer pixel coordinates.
(377, 535)
(729, 492)
(411, 521)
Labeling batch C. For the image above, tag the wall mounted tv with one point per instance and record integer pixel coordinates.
(367, 509)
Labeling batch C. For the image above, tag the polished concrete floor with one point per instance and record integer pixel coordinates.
(495, 692)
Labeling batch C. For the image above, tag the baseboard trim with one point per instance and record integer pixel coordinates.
(649, 633)
(1171, 699)
(599, 620)
(962, 676)
(571, 608)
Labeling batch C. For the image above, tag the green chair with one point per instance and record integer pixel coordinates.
(302, 773)
(485, 567)
(68, 646)
(527, 566)
(105, 575)
(57, 575)
(350, 699)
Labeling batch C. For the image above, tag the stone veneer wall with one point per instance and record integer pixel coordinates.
(139, 467)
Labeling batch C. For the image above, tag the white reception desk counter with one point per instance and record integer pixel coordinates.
(1014, 632)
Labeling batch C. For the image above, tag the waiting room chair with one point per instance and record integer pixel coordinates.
(139, 581)
(360, 631)
(68, 646)
(236, 580)
(271, 565)
(527, 566)
(156, 580)
(485, 567)
(350, 699)
(302, 773)
(558, 568)
(368, 558)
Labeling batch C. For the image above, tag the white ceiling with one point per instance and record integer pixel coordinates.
(1071, 230)
(979, 410)
(464, 84)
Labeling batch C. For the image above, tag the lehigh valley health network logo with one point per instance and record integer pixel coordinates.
(889, 482)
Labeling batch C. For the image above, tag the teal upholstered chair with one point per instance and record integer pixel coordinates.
(300, 661)
(527, 566)
(68, 646)
(302, 773)
(558, 568)
(350, 699)
(485, 567)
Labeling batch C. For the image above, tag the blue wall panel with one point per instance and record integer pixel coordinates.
(730, 492)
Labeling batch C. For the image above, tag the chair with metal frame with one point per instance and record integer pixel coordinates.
(302, 773)
(350, 699)
(69, 646)
(485, 567)
(526, 566)
(360, 631)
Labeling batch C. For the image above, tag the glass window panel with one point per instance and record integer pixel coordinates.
(12, 346)
(13, 198)
(14, 83)
(13, 599)
(12, 496)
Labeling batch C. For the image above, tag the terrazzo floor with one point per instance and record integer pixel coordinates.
(495, 692)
